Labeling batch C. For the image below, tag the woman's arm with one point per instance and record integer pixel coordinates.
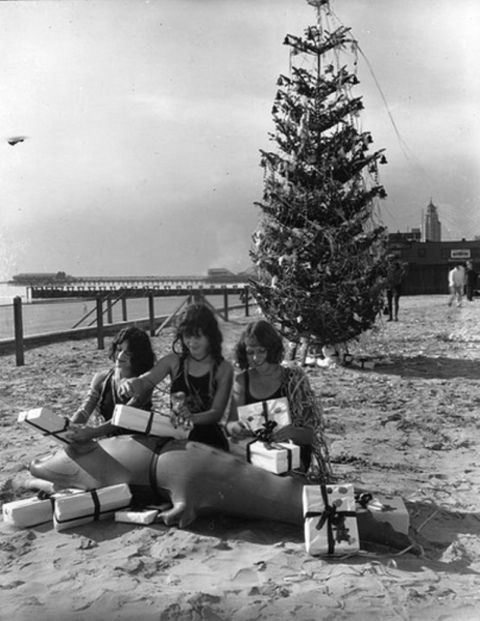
(234, 427)
(91, 400)
(224, 379)
(139, 387)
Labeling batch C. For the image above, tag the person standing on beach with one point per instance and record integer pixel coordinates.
(456, 284)
(196, 368)
(259, 354)
(470, 281)
(394, 289)
(132, 353)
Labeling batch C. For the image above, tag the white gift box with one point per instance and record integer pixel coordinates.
(33, 511)
(28, 512)
(276, 457)
(330, 520)
(386, 508)
(47, 423)
(150, 423)
(146, 516)
(85, 507)
(255, 415)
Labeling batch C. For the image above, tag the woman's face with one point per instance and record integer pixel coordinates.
(123, 360)
(197, 344)
(256, 354)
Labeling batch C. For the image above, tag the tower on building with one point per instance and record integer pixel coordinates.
(433, 227)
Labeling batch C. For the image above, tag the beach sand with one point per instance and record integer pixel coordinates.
(409, 426)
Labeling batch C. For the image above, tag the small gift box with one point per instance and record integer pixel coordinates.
(276, 457)
(385, 508)
(47, 422)
(145, 516)
(34, 511)
(150, 423)
(85, 507)
(330, 519)
(255, 415)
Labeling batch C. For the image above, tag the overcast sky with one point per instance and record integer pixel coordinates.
(145, 120)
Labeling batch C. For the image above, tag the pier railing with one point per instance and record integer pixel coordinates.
(98, 322)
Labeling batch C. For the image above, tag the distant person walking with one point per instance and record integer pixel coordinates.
(470, 281)
(395, 277)
(456, 284)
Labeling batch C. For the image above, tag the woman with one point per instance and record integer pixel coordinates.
(132, 353)
(197, 369)
(259, 354)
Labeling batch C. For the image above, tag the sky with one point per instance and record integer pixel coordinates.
(144, 121)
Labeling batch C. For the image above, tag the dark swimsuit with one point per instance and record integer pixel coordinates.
(305, 450)
(199, 397)
(109, 398)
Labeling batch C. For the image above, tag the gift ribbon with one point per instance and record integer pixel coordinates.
(331, 516)
(148, 428)
(52, 433)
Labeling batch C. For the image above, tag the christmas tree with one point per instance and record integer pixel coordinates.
(318, 251)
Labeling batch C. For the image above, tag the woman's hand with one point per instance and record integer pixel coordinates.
(130, 388)
(181, 417)
(238, 431)
(299, 435)
(78, 434)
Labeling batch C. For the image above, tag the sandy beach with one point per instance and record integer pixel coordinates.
(409, 426)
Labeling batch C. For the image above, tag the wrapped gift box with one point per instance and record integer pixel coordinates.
(47, 423)
(85, 507)
(28, 512)
(330, 519)
(385, 508)
(276, 457)
(33, 511)
(255, 415)
(150, 423)
(145, 516)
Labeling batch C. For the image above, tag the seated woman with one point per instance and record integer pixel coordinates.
(259, 354)
(198, 370)
(132, 353)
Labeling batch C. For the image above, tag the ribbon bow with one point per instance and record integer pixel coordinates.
(264, 434)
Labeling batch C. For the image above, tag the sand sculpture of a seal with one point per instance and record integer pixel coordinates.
(195, 479)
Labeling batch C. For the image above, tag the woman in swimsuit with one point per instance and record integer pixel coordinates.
(259, 354)
(132, 353)
(197, 369)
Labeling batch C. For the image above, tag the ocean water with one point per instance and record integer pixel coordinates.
(41, 317)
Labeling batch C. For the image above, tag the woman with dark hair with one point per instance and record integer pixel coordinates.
(259, 354)
(132, 354)
(197, 371)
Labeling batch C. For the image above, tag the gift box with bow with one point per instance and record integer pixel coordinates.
(150, 423)
(85, 507)
(330, 520)
(276, 457)
(255, 415)
(47, 423)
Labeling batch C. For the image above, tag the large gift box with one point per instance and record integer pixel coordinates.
(276, 457)
(47, 422)
(330, 519)
(385, 508)
(255, 415)
(150, 423)
(85, 507)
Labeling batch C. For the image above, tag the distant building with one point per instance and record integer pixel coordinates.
(220, 274)
(428, 262)
(37, 278)
(433, 227)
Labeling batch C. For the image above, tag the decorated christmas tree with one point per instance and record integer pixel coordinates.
(318, 250)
